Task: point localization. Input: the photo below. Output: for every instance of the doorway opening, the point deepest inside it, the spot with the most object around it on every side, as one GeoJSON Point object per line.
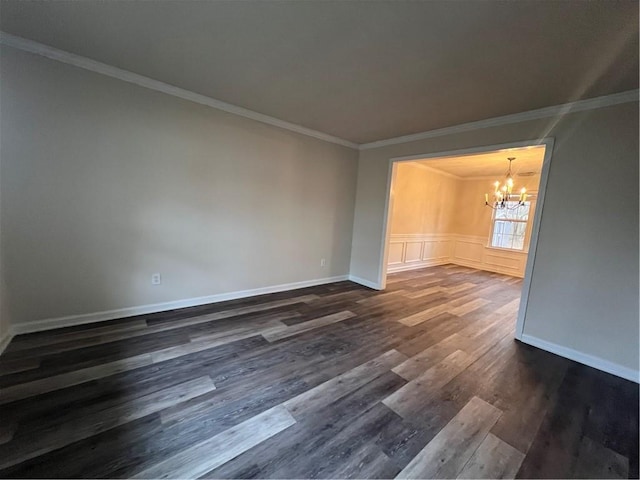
{"type": "Point", "coordinates": [464, 216]}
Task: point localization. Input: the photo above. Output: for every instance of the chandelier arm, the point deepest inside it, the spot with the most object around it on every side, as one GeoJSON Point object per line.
{"type": "Point", "coordinates": [500, 206]}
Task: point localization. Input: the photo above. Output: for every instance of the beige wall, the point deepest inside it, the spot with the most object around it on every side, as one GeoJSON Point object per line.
{"type": "Point", "coordinates": [472, 216]}
{"type": "Point", "coordinates": [105, 183]}
{"type": "Point", "coordinates": [584, 289]}
{"type": "Point", "coordinates": [419, 205]}
{"type": "Point", "coordinates": [417, 201]}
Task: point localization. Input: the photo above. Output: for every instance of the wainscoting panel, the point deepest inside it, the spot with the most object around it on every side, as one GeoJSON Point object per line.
{"type": "Point", "coordinates": [468, 250]}
{"type": "Point", "coordinates": [471, 251]}
{"type": "Point", "coordinates": [412, 251]}
{"type": "Point", "coordinates": [439, 249]}
{"type": "Point", "coordinates": [502, 261]}
{"type": "Point", "coordinates": [418, 251]}
{"type": "Point", "coordinates": [396, 253]}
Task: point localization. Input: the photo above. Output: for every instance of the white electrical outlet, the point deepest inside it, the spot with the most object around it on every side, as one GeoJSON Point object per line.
{"type": "Point", "coordinates": [156, 279]}
{"type": "Point", "coordinates": [323, 262]}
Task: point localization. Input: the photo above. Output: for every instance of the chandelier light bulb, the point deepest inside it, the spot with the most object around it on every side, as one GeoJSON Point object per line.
{"type": "Point", "coordinates": [502, 193]}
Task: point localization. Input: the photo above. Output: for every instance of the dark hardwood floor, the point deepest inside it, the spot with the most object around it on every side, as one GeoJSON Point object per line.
{"type": "Point", "coordinates": [423, 380]}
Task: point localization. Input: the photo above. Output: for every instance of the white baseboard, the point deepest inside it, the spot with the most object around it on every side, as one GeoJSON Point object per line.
{"type": "Point", "coordinates": [584, 358]}
{"type": "Point", "coordinates": [4, 341]}
{"type": "Point", "coordinates": [486, 268]}
{"type": "Point", "coordinates": [403, 267]}
{"type": "Point", "coordinates": [72, 320]}
{"type": "Point", "coordinates": [364, 282]}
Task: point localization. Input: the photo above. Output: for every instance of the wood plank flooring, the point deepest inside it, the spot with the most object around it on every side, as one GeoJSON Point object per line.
{"type": "Point", "coordinates": [423, 380]}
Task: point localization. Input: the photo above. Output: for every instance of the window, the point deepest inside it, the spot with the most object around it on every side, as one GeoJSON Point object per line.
{"type": "Point", "coordinates": [510, 226]}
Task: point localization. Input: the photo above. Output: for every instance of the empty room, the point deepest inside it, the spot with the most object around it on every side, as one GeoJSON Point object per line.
{"type": "Point", "coordinates": [319, 239]}
{"type": "Point", "coordinates": [441, 215]}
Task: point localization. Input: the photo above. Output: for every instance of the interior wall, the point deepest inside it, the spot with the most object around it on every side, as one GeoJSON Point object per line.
{"type": "Point", "coordinates": [5, 320]}
{"type": "Point", "coordinates": [105, 183]}
{"type": "Point", "coordinates": [417, 201]}
{"type": "Point", "coordinates": [583, 300]}
{"type": "Point", "coordinates": [473, 217]}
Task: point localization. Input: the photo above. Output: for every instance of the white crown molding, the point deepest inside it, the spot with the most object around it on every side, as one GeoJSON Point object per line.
{"type": "Point", "coordinates": [130, 77]}
{"type": "Point", "coordinates": [553, 111]}
{"type": "Point", "coordinates": [73, 320]}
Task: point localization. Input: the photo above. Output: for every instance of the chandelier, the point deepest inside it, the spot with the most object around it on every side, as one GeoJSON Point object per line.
{"type": "Point", "coordinates": [503, 193]}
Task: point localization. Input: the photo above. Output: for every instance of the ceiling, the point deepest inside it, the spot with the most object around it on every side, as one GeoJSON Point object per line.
{"type": "Point", "coordinates": [361, 71]}
{"type": "Point", "coordinates": [490, 164]}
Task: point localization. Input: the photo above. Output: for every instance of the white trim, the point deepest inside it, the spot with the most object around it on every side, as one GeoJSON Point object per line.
{"type": "Point", "coordinates": [72, 320]}
{"type": "Point", "coordinates": [584, 358]}
{"type": "Point", "coordinates": [553, 111]}
{"type": "Point", "coordinates": [501, 249]}
{"type": "Point", "coordinates": [364, 282]}
{"type": "Point", "coordinates": [416, 265]}
{"type": "Point", "coordinates": [386, 226]}
{"type": "Point", "coordinates": [527, 228]}
{"type": "Point", "coordinates": [130, 77]}
{"type": "Point", "coordinates": [5, 341]}
{"type": "Point", "coordinates": [533, 242]}
{"type": "Point", "coordinates": [127, 76]}
{"type": "Point", "coordinates": [502, 147]}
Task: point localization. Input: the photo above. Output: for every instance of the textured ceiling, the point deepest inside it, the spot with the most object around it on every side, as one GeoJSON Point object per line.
{"type": "Point", "coordinates": [362, 71]}
{"type": "Point", "coordinates": [490, 164]}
